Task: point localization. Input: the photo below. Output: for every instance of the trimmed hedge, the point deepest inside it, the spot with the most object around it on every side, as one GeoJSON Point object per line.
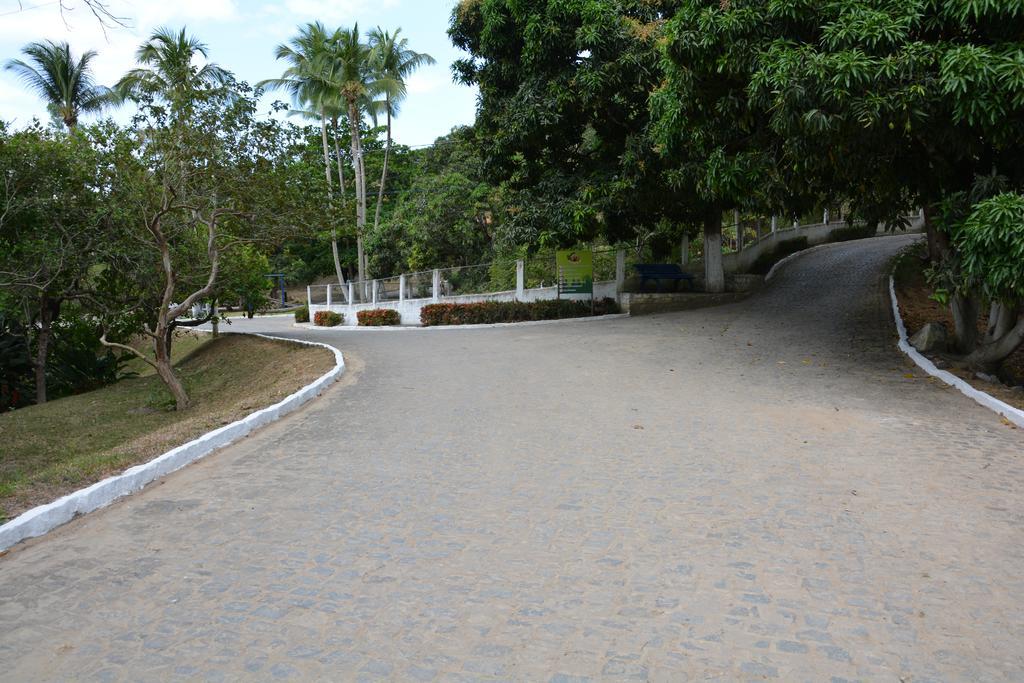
{"type": "Point", "coordinates": [378, 317]}
{"type": "Point", "coordinates": [302, 314]}
{"type": "Point", "coordinates": [486, 312]}
{"type": "Point", "coordinates": [328, 318]}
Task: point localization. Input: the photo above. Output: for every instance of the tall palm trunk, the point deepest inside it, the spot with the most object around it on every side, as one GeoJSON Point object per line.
{"type": "Point", "coordinates": [337, 156]}
{"type": "Point", "coordinates": [384, 172]}
{"type": "Point", "coordinates": [330, 192]}
{"type": "Point", "coordinates": [360, 181]}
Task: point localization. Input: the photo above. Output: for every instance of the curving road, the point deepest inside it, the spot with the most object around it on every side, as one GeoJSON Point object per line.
{"type": "Point", "coordinates": [758, 491]}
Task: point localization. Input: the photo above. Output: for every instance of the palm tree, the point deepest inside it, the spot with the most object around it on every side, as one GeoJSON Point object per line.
{"type": "Point", "coordinates": [168, 70]}
{"type": "Point", "coordinates": [307, 79]}
{"type": "Point", "coordinates": [354, 75]}
{"type": "Point", "coordinates": [66, 84]}
{"type": "Point", "coordinates": [394, 62]}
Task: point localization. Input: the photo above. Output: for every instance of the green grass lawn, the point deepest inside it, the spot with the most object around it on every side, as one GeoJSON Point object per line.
{"type": "Point", "coordinates": [63, 445]}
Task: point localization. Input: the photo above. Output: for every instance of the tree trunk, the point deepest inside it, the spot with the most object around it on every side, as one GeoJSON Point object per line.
{"type": "Point", "coordinates": [42, 346]}
{"type": "Point", "coordinates": [327, 152]}
{"type": "Point", "coordinates": [988, 356]}
{"type": "Point", "coordinates": [165, 370]}
{"type": "Point", "coordinates": [330, 191]}
{"type": "Point", "coordinates": [938, 243]}
{"type": "Point", "coordinates": [714, 275]}
{"type": "Point", "coordinates": [384, 173]}
{"type": "Point", "coordinates": [360, 181]}
{"type": "Point", "coordinates": [341, 166]}
{"type": "Point", "coordinates": [965, 322]}
{"type": "Point", "coordinates": [1001, 319]}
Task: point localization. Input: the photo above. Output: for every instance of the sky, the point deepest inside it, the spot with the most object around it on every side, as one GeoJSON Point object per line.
{"type": "Point", "coordinates": [241, 36]}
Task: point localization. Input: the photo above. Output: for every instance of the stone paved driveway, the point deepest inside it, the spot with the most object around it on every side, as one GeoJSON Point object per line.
{"type": "Point", "coordinates": [757, 491]}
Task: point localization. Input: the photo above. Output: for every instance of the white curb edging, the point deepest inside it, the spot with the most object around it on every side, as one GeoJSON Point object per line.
{"type": "Point", "coordinates": [39, 520]}
{"type": "Point", "coordinates": [991, 402]}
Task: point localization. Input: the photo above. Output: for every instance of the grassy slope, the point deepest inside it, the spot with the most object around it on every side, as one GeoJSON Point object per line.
{"type": "Point", "coordinates": [49, 450]}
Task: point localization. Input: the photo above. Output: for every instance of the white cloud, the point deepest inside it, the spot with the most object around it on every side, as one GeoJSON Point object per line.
{"type": "Point", "coordinates": [430, 79]}
{"type": "Point", "coordinates": [333, 11]}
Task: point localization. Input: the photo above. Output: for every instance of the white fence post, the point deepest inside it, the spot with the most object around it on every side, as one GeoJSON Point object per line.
{"type": "Point", "coordinates": [775, 223]}
{"type": "Point", "coordinates": [401, 288]}
{"type": "Point", "coordinates": [373, 292]}
{"type": "Point", "coordinates": [684, 250]}
{"type": "Point", "coordinates": [520, 279]}
{"type": "Point", "coordinates": [824, 218]}
{"type": "Point", "coordinates": [739, 229]}
{"type": "Point", "coordinates": [351, 292]}
{"type": "Point", "coordinates": [437, 284]}
{"type": "Point", "coordinates": [309, 298]}
{"type": "Point", "coordinates": [328, 297]}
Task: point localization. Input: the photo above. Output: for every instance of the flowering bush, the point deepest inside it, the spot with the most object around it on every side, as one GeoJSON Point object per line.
{"type": "Point", "coordinates": [379, 316]}
{"type": "Point", "coordinates": [302, 314]}
{"type": "Point", "coordinates": [512, 311]}
{"type": "Point", "coordinates": [328, 318]}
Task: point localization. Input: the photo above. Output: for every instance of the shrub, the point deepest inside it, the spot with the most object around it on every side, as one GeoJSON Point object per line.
{"type": "Point", "coordinates": [328, 318]}
{"type": "Point", "coordinates": [852, 232]}
{"type": "Point", "coordinates": [378, 317]}
{"type": "Point", "coordinates": [486, 312]}
{"type": "Point", "coordinates": [302, 314]}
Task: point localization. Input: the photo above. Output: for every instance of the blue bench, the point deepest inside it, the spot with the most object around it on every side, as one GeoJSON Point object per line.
{"type": "Point", "coordinates": [660, 272]}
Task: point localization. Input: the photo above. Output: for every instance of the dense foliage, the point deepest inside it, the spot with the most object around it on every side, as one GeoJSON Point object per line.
{"type": "Point", "coordinates": [563, 113]}
{"type": "Point", "coordinates": [602, 118]}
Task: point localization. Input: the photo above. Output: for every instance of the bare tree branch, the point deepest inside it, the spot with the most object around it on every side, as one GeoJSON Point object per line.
{"type": "Point", "coordinates": [125, 347]}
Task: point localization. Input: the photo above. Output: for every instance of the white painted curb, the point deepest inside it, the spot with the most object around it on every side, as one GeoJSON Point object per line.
{"type": "Point", "coordinates": [41, 519]}
{"type": "Point", "coordinates": [479, 326]}
{"type": "Point", "coordinates": [991, 402]}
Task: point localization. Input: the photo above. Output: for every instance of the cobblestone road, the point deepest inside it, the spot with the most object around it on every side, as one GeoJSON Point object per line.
{"type": "Point", "coordinates": [757, 491]}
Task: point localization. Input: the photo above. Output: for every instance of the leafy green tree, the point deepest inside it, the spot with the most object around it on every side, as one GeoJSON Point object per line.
{"type": "Point", "coordinates": [189, 195]}
{"type": "Point", "coordinates": [563, 115]}
{"type": "Point", "coordinates": [722, 151]}
{"type": "Point", "coordinates": [441, 220]}
{"type": "Point", "coordinates": [244, 279]}
{"type": "Point", "coordinates": [64, 82]}
{"type": "Point", "coordinates": [52, 225]}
